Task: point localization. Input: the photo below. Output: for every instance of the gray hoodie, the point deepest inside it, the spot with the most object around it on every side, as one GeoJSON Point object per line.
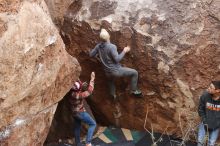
{"type": "Point", "coordinates": [108, 55]}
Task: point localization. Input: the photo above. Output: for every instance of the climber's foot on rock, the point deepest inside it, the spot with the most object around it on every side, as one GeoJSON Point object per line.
{"type": "Point", "coordinates": [137, 93]}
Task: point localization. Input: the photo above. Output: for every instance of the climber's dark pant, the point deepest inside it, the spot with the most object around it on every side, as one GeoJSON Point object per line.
{"type": "Point", "coordinates": [122, 72]}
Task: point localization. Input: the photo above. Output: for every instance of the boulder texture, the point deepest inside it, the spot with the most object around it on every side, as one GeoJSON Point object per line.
{"type": "Point", "coordinates": [174, 47]}
{"type": "Point", "coordinates": [57, 9]}
{"type": "Point", "coordinates": [36, 72]}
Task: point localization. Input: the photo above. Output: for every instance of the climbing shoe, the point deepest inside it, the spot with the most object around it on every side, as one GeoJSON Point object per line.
{"type": "Point", "coordinates": [136, 93]}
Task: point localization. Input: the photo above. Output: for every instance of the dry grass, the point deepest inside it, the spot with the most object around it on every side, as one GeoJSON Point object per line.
{"type": "Point", "coordinates": [188, 131]}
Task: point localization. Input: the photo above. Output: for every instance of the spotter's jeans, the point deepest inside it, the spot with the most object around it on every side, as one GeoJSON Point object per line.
{"type": "Point", "coordinates": [213, 135]}
{"type": "Point", "coordinates": [86, 118]}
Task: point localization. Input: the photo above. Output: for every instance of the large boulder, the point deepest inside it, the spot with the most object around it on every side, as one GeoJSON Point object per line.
{"type": "Point", "coordinates": [36, 72]}
{"type": "Point", "coordinates": [174, 47]}
{"type": "Point", "coordinates": [57, 9]}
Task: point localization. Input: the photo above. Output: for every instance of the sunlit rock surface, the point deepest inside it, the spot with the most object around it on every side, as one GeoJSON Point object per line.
{"type": "Point", "coordinates": [175, 48]}
{"type": "Point", "coordinates": [36, 72]}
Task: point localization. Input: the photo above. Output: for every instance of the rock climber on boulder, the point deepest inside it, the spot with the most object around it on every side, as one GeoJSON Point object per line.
{"type": "Point", "coordinates": [110, 59]}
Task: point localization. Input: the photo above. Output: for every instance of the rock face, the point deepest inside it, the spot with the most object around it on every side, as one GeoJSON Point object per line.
{"type": "Point", "coordinates": [57, 9]}
{"type": "Point", "coordinates": [36, 72]}
{"type": "Point", "coordinates": [175, 48]}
